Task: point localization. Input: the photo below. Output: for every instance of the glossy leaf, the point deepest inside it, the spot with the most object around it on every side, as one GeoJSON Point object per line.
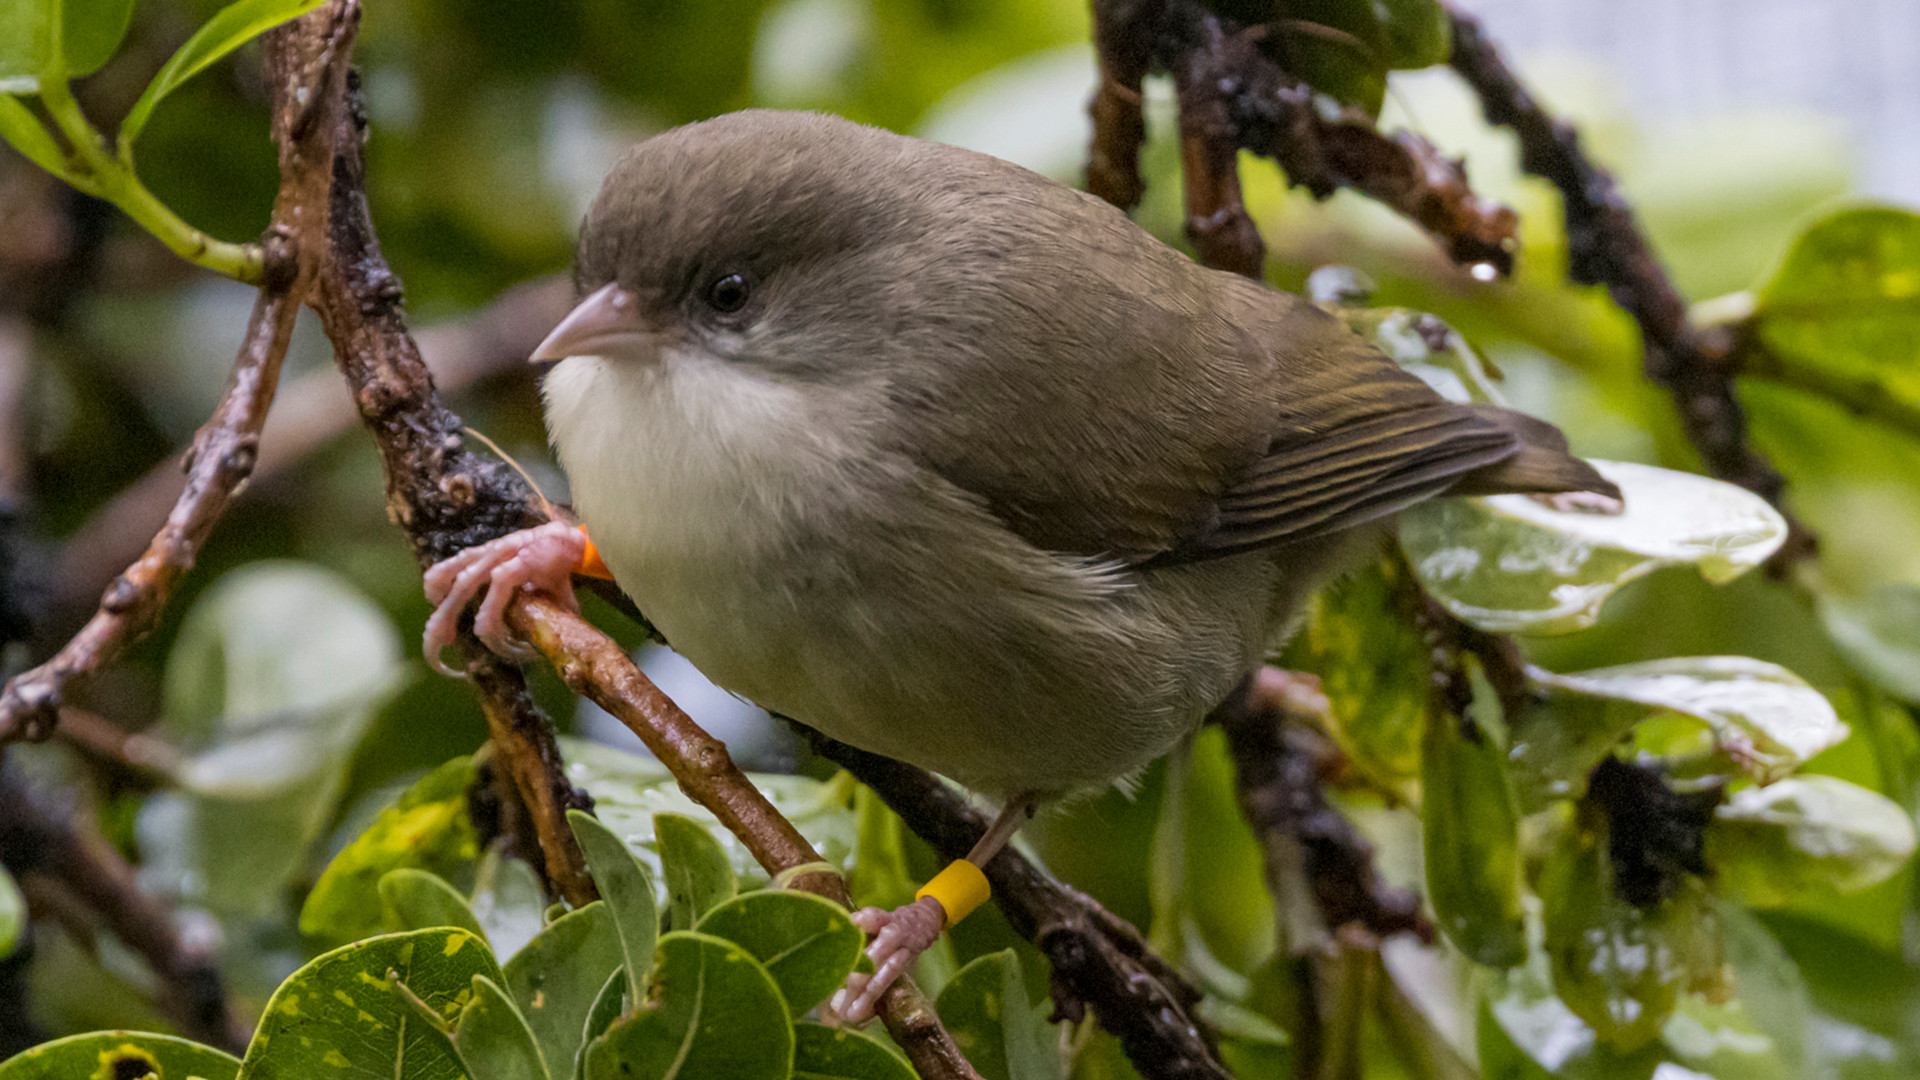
{"type": "Point", "coordinates": [1512, 564]}
{"type": "Point", "coordinates": [417, 900]}
{"type": "Point", "coordinates": [607, 1008]}
{"type": "Point", "coordinates": [557, 977]}
{"type": "Point", "coordinates": [1880, 636]}
{"type": "Point", "coordinates": [13, 914]}
{"type": "Point", "coordinates": [985, 1007]}
{"type": "Point", "coordinates": [277, 671]}
{"type": "Point", "coordinates": [627, 891]}
{"type": "Point", "coordinates": [1471, 841]}
{"type": "Point", "coordinates": [427, 828]}
{"type": "Point", "coordinates": [629, 789]}
{"type": "Point", "coordinates": [695, 866]}
{"type": "Point", "coordinates": [493, 1038]}
{"type": "Point", "coordinates": [339, 1011]}
{"type": "Point", "coordinates": [1770, 844]}
{"type": "Point", "coordinates": [1371, 662]}
{"type": "Point", "coordinates": [1841, 307]}
{"type": "Point", "coordinates": [824, 1053]}
{"type": "Point", "coordinates": [1775, 720]}
{"type": "Point", "coordinates": [713, 1014]}
{"type": "Point", "coordinates": [113, 1055]}
{"type": "Point", "coordinates": [807, 943]}
{"type": "Point", "coordinates": [1426, 346]}
{"type": "Point", "coordinates": [231, 27]}
{"type": "Point", "coordinates": [508, 903]}
{"type": "Point", "coordinates": [91, 33]}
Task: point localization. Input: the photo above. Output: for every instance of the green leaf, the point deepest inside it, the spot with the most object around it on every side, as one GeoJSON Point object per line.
{"type": "Point", "coordinates": [417, 899]}
{"type": "Point", "coordinates": [508, 903]}
{"type": "Point", "coordinates": [1764, 712]}
{"type": "Point", "coordinates": [13, 914]}
{"type": "Point", "coordinates": [824, 1053]}
{"type": "Point", "coordinates": [557, 977]}
{"type": "Point", "coordinates": [1880, 636]}
{"type": "Point", "coordinates": [985, 1007]}
{"type": "Point", "coordinates": [1842, 312]}
{"type": "Point", "coordinates": [714, 1014]}
{"type": "Point", "coordinates": [1425, 345]}
{"type": "Point", "coordinates": [1512, 564]}
{"type": "Point", "coordinates": [277, 671]}
{"type": "Point", "coordinates": [1472, 841]}
{"type": "Point", "coordinates": [696, 869]}
{"type": "Point", "coordinates": [231, 27]}
{"type": "Point", "coordinates": [91, 34]}
{"type": "Point", "coordinates": [24, 132]}
{"type": "Point", "coordinates": [607, 1008]}
{"type": "Point", "coordinates": [807, 943]}
{"type": "Point", "coordinates": [426, 828]}
{"type": "Point", "coordinates": [1372, 663]}
{"type": "Point", "coordinates": [1618, 967]}
{"type": "Point", "coordinates": [338, 1010]}
{"type": "Point", "coordinates": [629, 789]}
{"type": "Point", "coordinates": [1769, 844]}
{"type": "Point", "coordinates": [628, 893]}
{"type": "Point", "coordinates": [119, 1055]}
{"type": "Point", "coordinates": [493, 1039]}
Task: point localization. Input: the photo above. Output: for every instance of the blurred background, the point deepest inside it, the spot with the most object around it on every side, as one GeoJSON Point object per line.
{"type": "Point", "coordinates": [1728, 123]}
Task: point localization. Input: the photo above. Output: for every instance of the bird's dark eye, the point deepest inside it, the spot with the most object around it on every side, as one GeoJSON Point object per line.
{"type": "Point", "coordinates": [728, 293]}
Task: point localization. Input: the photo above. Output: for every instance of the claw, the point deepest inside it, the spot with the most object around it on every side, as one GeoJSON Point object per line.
{"type": "Point", "coordinates": [542, 558]}
{"type": "Point", "coordinates": [899, 937]}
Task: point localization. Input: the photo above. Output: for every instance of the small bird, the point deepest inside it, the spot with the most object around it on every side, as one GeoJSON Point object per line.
{"type": "Point", "coordinates": [957, 464]}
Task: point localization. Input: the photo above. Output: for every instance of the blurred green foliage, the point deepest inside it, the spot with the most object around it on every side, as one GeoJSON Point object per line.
{"type": "Point", "coordinates": [315, 805]}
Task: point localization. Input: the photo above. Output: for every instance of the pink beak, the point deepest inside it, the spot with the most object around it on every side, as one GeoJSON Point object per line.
{"type": "Point", "coordinates": [606, 322]}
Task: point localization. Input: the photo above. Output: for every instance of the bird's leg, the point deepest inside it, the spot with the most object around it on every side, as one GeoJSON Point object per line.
{"type": "Point", "coordinates": [901, 935]}
{"type": "Point", "coordinates": [544, 558]}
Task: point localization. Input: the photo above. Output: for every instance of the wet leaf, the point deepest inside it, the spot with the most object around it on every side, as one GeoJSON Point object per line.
{"type": "Point", "coordinates": [807, 943]}
{"type": "Point", "coordinates": [338, 1010]}
{"type": "Point", "coordinates": [558, 976]}
{"type": "Point", "coordinates": [1511, 564]}
{"type": "Point", "coordinates": [493, 1038]}
{"type": "Point", "coordinates": [231, 27]}
{"type": "Point", "coordinates": [426, 828]}
{"type": "Point", "coordinates": [985, 1007]}
{"type": "Point", "coordinates": [1880, 636]}
{"type": "Point", "coordinates": [1372, 664]}
{"type": "Point", "coordinates": [713, 1014]}
{"type": "Point", "coordinates": [824, 1053]}
{"type": "Point", "coordinates": [417, 900]}
{"type": "Point", "coordinates": [1471, 841]}
{"type": "Point", "coordinates": [1426, 346]}
{"type": "Point", "coordinates": [695, 866]}
{"type": "Point", "coordinates": [116, 1055]}
{"type": "Point", "coordinates": [1769, 844]}
{"type": "Point", "coordinates": [629, 789]}
{"type": "Point", "coordinates": [1765, 714]}
{"type": "Point", "coordinates": [627, 890]}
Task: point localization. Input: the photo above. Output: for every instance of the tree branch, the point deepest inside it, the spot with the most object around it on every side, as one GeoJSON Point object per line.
{"type": "Point", "coordinates": [226, 448]}
{"type": "Point", "coordinates": [1605, 246]}
{"type": "Point", "coordinates": [1097, 958]}
{"type": "Point", "coordinates": [40, 838]}
{"type": "Point", "coordinates": [1234, 96]}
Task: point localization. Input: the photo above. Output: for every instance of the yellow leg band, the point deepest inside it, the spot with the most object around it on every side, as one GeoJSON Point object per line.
{"type": "Point", "coordinates": [960, 888]}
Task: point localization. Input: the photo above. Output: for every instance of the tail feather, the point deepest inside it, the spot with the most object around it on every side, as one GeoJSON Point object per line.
{"type": "Point", "coordinates": [1541, 465]}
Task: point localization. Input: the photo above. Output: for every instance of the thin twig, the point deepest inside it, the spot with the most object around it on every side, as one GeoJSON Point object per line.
{"type": "Point", "coordinates": [1279, 764]}
{"type": "Point", "coordinates": [1606, 246]}
{"type": "Point", "coordinates": [1098, 960]}
{"type": "Point", "coordinates": [223, 453]}
{"type": "Point", "coordinates": [40, 837]}
{"type": "Point", "coordinates": [594, 666]}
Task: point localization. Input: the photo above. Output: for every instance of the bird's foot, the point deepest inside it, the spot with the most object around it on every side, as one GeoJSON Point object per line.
{"type": "Point", "coordinates": [542, 558]}
{"type": "Point", "coordinates": [899, 937]}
